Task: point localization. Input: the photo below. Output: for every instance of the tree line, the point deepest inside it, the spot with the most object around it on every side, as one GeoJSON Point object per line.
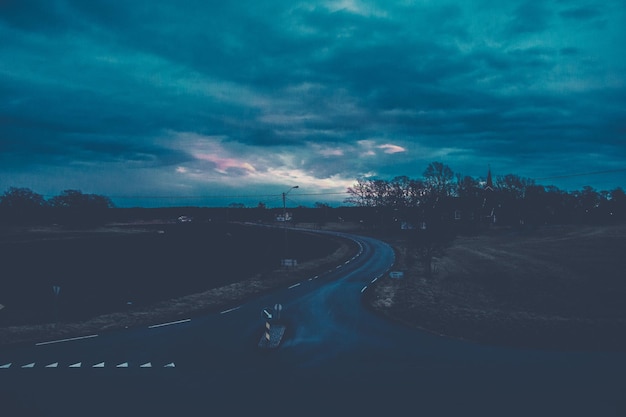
{"type": "Point", "coordinates": [22, 205]}
{"type": "Point", "coordinates": [507, 199]}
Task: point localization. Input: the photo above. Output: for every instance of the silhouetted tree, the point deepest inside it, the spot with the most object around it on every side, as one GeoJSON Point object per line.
{"type": "Point", "coordinates": [73, 207]}
{"type": "Point", "coordinates": [617, 205]}
{"type": "Point", "coordinates": [468, 187]}
{"type": "Point", "coordinates": [360, 194]}
{"type": "Point", "coordinates": [513, 200]}
{"type": "Point", "coordinates": [587, 202]}
{"type": "Point", "coordinates": [438, 178]}
{"type": "Point", "coordinates": [22, 205]}
{"type": "Point", "coordinates": [429, 241]}
{"type": "Point", "coordinates": [21, 199]}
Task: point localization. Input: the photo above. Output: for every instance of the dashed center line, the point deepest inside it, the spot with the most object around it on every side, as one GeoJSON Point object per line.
{"type": "Point", "coordinates": [229, 310]}
{"type": "Point", "coordinates": [66, 340]}
{"type": "Point", "coordinates": [294, 285]}
{"type": "Point", "coordinates": [169, 324]}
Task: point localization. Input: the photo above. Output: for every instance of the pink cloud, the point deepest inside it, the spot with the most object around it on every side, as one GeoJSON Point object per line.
{"type": "Point", "coordinates": [224, 164]}
{"type": "Point", "coordinates": [389, 148]}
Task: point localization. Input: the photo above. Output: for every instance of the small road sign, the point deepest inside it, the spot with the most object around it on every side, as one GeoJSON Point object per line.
{"type": "Point", "coordinates": [289, 262]}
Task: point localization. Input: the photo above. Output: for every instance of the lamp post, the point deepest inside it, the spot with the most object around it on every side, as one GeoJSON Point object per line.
{"type": "Point", "coordinates": [284, 202]}
{"type": "Point", "coordinates": [285, 215]}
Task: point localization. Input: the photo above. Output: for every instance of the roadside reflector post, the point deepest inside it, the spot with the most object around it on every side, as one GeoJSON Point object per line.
{"type": "Point", "coordinates": [56, 289]}
{"type": "Point", "coordinates": [273, 332]}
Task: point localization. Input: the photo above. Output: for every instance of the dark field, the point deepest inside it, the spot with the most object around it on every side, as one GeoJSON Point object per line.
{"type": "Point", "coordinates": [123, 268]}
{"type": "Point", "coordinates": [553, 287]}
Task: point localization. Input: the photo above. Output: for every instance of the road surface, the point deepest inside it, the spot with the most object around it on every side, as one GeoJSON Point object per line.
{"type": "Point", "coordinates": [337, 358]}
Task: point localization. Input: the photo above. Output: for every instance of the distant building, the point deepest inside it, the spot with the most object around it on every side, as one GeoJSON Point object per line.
{"type": "Point", "coordinates": [284, 217]}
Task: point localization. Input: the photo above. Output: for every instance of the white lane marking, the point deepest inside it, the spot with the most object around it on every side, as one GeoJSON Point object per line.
{"type": "Point", "coordinates": [169, 324]}
{"type": "Point", "coordinates": [80, 365]}
{"type": "Point", "coordinates": [229, 310]}
{"type": "Point", "coordinates": [294, 285]}
{"type": "Point", "coordinates": [66, 340]}
{"type": "Point", "coordinates": [374, 280]}
{"type": "Point", "coordinates": [338, 266]}
{"type": "Point", "coordinates": [364, 288]}
{"type": "Point", "coordinates": [346, 262]}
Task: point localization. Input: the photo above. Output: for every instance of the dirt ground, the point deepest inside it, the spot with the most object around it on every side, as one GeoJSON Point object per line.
{"type": "Point", "coordinates": [560, 287]}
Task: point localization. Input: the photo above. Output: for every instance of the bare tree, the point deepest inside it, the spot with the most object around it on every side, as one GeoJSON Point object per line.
{"type": "Point", "coordinates": [439, 179]}
{"type": "Point", "coordinates": [360, 194]}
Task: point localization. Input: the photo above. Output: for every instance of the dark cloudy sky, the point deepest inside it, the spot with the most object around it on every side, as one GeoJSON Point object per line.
{"type": "Point", "coordinates": [207, 99]}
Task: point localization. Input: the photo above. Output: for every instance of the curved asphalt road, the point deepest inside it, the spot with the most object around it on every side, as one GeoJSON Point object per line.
{"type": "Point", "coordinates": [337, 358]}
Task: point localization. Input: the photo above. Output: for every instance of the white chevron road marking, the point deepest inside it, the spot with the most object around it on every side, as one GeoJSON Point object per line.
{"type": "Point", "coordinates": [80, 365]}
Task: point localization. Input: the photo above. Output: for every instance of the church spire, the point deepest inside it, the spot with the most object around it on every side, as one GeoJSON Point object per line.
{"type": "Point", "coordinates": [489, 184]}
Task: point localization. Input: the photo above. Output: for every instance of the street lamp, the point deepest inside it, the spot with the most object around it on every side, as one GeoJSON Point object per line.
{"type": "Point", "coordinates": [284, 202]}
{"type": "Point", "coordinates": [285, 218]}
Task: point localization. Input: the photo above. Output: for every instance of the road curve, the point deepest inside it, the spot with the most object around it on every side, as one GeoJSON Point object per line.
{"type": "Point", "coordinates": [336, 356]}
